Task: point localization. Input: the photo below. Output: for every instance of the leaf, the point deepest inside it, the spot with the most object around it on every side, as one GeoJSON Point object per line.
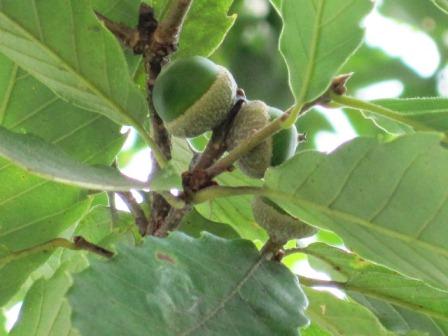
{"type": "Point", "coordinates": [50, 162]}
{"type": "Point", "coordinates": [429, 114]}
{"type": "Point", "coordinates": [185, 286]}
{"type": "Point", "coordinates": [3, 331]}
{"type": "Point", "coordinates": [14, 274]}
{"type": "Point", "coordinates": [388, 201]}
{"type": "Point", "coordinates": [33, 210]}
{"type": "Point", "coordinates": [235, 211]}
{"type": "Point", "coordinates": [380, 283]}
{"type": "Point", "coordinates": [194, 225]}
{"type": "Point", "coordinates": [342, 317]}
{"type": "Point", "coordinates": [442, 4]}
{"type": "Point", "coordinates": [65, 47]}
{"type": "Point", "coordinates": [45, 310]}
{"type": "Point", "coordinates": [317, 39]}
{"type": "Point", "coordinates": [401, 320]}
{"type": "Point", "coordinates": [205, 26]}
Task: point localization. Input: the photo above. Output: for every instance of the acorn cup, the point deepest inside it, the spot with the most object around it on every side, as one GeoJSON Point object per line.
{"type": "Point", "coordinates": [252, 117]}
{"type": "Point", "coordinates": [193, 95]}
{"type": "Point", "coordinates": [280, 226]}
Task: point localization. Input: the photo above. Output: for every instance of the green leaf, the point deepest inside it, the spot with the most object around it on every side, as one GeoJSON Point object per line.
{"type": "Point", "coordinates": [45, 310]}
{"type": "Point", "coordinates": [185, 286]}
{"type": "Point", "coordinates": [429, 114]}
{"type": "Point", "coordinates": [194, 224]}
{"type": "Point", "coordinates": [317, 39]}
{"type": "Point", "coordinates": [65, 47]}
{"type": "Point", "coordinates": [2, 324]}
{"type": "Point", "coordinates": [442, 4]}
{"type": "Point", "coordinates": [380, 283]}
{"type": "Point", "coordinates": [33, 210]}
{"type": "Point", "coordinates": [205, 28]}
{"type": "Point", "coordinates": [314, 330]}
{"type": "Point", "coordinates": [401, 320]}
{"type": "Point", "coordinates": [235, 211]}
{"type": "Point", "coordinates": [388, 201]}
{"type": "Point", "coordinates": [46, 160]}
{"type": "Point", "coordinates": [342, 317]}
{"type": "Point", "coordinates": [14, 274]}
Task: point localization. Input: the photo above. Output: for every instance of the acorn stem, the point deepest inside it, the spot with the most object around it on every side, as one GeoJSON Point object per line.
{"type": "Point", "coordinates": [247, 145]}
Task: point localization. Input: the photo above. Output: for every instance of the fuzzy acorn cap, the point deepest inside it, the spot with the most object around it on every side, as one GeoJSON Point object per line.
{"type": "Point", "coordinates": [253, 116]}
{"type": "Point", "coordinates": [193, 95]}
{"type": "Point", "coordinates": [280, 226]}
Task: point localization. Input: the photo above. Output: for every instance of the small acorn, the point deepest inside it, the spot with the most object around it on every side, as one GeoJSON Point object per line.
{"type": "Point", "coordinates": [253, 116]}
{"type": "Point", "coordinates": [280, 226]}
{"type": "Point", "coordinates": [193, 95]}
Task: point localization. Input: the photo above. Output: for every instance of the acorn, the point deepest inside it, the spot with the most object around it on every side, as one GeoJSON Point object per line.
{"type": "Point", "coordinates": [193, 95]}
{"type": "Point", "coordinates": [253, 116]}
{"type": "Point", "coordinates": [280, 226]}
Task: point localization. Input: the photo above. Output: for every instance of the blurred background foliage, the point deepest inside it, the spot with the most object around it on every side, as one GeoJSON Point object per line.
{"type": "Point", "coordinates": [405, 55]}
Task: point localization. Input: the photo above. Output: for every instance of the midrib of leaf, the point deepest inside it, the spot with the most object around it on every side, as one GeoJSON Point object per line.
{"type": "Point", "coordinates": [222, 303]}
{"type": "Point", "coordinates": [7, 98]}
{"type": "Point", "coordinates": [395, 301]}
{"type": "Point", "coordinates": [48, 181]}
{"type": "Point", "coordinates": [374, 294]}
{"type": "Point", "coordinates": [312, 54]}
{"type": "Point", "coordinates": [344, 216]}
{"type": "Point", "coordinates": [98, 92]}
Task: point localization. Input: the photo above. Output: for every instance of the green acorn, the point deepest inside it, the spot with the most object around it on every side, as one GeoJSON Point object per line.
{"type": "Point", "coordinates": [253, 116]}
{"type": "Point", "coordinates": [193, 95]}
{"type": "Point", "coordinates": [280, 226]}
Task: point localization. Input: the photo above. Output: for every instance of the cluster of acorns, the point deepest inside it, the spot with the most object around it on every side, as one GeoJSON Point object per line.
{"type": "Point", "coordinates": [195, 95]}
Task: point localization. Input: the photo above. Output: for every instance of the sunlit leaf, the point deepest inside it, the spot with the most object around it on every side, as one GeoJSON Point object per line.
{"type": "Point", "coordinates": [342, 317]}
{"type": "Point", "coordinates": [364, 192]}
{"type": "Point", "coordinates": [65, 47]}
{"type": "Point", "coordinates": [317, 39]}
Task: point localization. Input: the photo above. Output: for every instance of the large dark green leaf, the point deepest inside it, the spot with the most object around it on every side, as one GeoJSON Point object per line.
{"type": "Point", "coordinates": [388, 201]}
{"type": "Point", "coordinates": [317, 39]}
{"type": "Point", "coordinates": [185, 286]}
{"type": "Point", "coordinates": [64, 46]}
{"type": "Point", "coordinates": [379, 283]}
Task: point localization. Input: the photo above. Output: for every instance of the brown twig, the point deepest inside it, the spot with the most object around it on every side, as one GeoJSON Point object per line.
{"type": "Point", "coordinates": [217, 144]}
{"type": "Point", "coordinates": [162, 43]}
{"type": "Point", "coordinates": [83, 244]}
{"type": "Point", "coordinates": [136, 211]}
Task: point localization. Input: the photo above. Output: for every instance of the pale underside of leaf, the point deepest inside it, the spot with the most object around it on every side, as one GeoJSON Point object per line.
{"type": "Point", "coordinates": [388, 201]}
{"type": "Point", "coordinates": [317, 39]}
{"type": "Point", "coordinates": [50, 162]}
